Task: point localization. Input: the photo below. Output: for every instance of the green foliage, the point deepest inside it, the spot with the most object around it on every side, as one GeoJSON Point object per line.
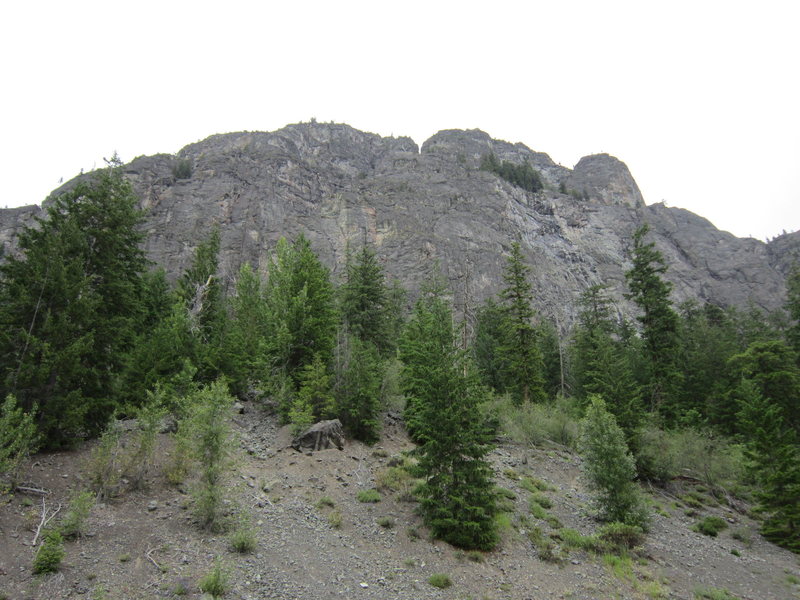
{"type": "Point", "coordinates": [659, 323]}
{"type": "Point", "coordinates": [139, 459]}
{"type": "Point", "coordinates": [793, 307]}
{"type": "Point", "coordinates": [70, 305]}
{"type": "Point", "coordinates": [365, 301]}
{"type": "Point", "coordinates": [215, 582]}
{"type": "Point", "coordinates": [335, 519]}
{"type": "Point", "coordinates": [245, 342]}
{"type": "Point", "coordinates": [18, 438]}
{"type": "Point", "coordinates": [710, 593]}
{"type": "Point", "coordinates": [574, 540]}
{"type": "Point", "coordinates": [358, 388]}
{"type": "Point", "coordinates": [444, 415]}
{"type": "Point", "coordinates": [621, 537]}
{"type": "Point", "coordinates": [104, 465]}
{"type": "Point", "coordinates": [386, 522]}
{"type": "Point", "coordinates": [710, 526]}
{"type": "Point", "coordinates": [315, 389]}
{"type": "Point", "coordinates": [523, 175]}
{"type": "Point", "coordinates": [80, 506]}
{"type": "Point", "coordinates": [774, 461]}
{"type": "Point", "coordinates": [50, 554]}
{"type": "Point", "coordinates": [521, 352]}
{"type": "Point", "coordinates": [490, 335]}
{"type": "Point", "coordinates": [243, 540]}
{"type": "Point", "coordinates": [300, 304]}
{"type": "Point", "coordinates": [609, 467]}
{"type": "Point", "coordinates": [538, 424]}
{"type": "Point", "coordinates": [440, 580]}
{"type": "Point", "coordinates": [209, 431]}
{"type": "Point", "coordinates": [370, 496]}
{"type": "Point", "coordinates": [202, 294]}
{"type": "Point", "coordinates": [182, 169]}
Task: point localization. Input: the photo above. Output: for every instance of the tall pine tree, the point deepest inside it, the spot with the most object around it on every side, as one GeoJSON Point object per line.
{"type": "Point", "coordinates": [444, 396]}
{"type": "Point", "coordinates": [70, 306]}
{"type": "Point", "coordinates": [522, 355]}
{"type": "Point", "coordinates": [659, 323]}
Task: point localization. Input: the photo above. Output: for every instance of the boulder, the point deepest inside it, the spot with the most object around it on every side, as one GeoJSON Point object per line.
{"type": "Point", "coordinates": [320, 436]}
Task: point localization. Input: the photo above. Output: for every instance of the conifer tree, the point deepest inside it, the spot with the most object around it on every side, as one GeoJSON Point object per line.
{"type": "Point", "coordinates": [301, 310]}
{"type": "Point", "coordinates": [358, 389]}
{"type": "Point", "coordinates": [490, 333]}
{"type": "Point", "coordinates": [365, 301]}
{"type": "Point", "coordinates": [793, 307]}
{"type": "Point", "coordinates": [444, 396]}
{"type": "Point", "coordinates": [70, 305]}
{"type": "Point", "coordinates": [659, 322]}
{"type": "Point", "coordinates": [245, 342]}
{"type": "Point", "coordinates": [522, 354]}
{"type": "Point", "coordinates": [609, 467]}
{"type": "Point", "coordinates": [202, 293]}
{"type": "Point", "coordinates": [774, 454]}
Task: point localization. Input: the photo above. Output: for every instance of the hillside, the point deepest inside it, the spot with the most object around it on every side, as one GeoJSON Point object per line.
{"type": "Point", "coordinates": [144, 544]}
{"type": "Point", "coordinates": [418, 207]}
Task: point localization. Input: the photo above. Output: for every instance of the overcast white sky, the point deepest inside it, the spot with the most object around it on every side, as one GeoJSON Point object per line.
{"type": "Point", "coordinates": [701, 99]}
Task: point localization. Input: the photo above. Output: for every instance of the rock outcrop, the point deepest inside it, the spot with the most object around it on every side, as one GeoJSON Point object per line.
{"type": "Point", "coordinates": [342, 187]}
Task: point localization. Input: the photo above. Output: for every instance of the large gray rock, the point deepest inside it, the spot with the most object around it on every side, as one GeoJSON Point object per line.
{"type": "Point", "coordinates": [320, 436]}
{"type": "Point", "coordinates": [341, 187]}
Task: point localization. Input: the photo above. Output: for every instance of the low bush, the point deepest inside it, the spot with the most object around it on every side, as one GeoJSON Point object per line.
{"type": "Point", "coordinates": [575, 540]}
{"type": "Point", "coordinates": [709, 593]}
{"type": "Point", "coordinates": [541, 500]}
{"type": "Point", "coordinates": [386, 522]}
{"type": "Point", "coordinates": [243, 540]}
{"type": "Point", "coordinates": [74, 519]}
{"type": "Point", "coordinates": [214, 583]}
{"type": "Point", "coordinates": [335, 519]}
{"type": "Point", "coordinates": [621, 536]}
{"type": "Point", "coordinates": [368, 496]}
{"type": "Point", "coordinates": [710, 526]}
{"type": "Point", "coordinates": [538, 424]}
{"type": "Point", "coordinates": [440, 580]}
{"type": "Point", "coordinates": [50, 554]}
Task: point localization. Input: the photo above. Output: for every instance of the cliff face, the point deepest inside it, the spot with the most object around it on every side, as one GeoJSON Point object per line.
{"type": "Point", "coordinates": [341, 187]}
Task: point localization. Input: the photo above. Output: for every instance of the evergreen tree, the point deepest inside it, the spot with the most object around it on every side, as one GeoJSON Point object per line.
{"type": "Point", "coordinates": [201, 291]}
{"type": "Point", "coordinates": [358, 389]}
{"type": "Point", "coordinates": [70, 305]}
{"type": "Point", "coordinates": [246, 340]}
{"type": "Point", "coordinates": [490, 333]}
{"type": "Point", "coordinates": [522, 354]}
{"type": "Point", "coordinates": [365, 301]}
{"type": "Point", "coordinates": [772, 367]}
{"type": "Point", "coordinates": [301, 311]}
{"type": "Point", "coordinates": [774, 454]}
{"type": "Point", "coordinates": [456, 497]}
{"type": "Point", "coordinates": [315, 390]}
{"type": "Point", "coordinates": [659, 322]}
{"type": "Point", "coordinates": [609, 467]}
{"type": "Point", "coordinates": [793, 307]}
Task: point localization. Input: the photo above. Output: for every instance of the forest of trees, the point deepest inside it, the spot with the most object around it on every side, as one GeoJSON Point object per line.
{"type": "Point", "coordinates": [90, 331]}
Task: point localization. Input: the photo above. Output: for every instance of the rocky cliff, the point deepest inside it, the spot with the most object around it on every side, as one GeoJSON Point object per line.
{"type": "Point", "coordinates": [341, 187]}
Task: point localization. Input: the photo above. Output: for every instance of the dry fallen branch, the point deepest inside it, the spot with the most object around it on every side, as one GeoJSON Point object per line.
{"type": "Point", "coordinates": [45, 520]}
{"type": "Point", "coordinates": [29, 490]}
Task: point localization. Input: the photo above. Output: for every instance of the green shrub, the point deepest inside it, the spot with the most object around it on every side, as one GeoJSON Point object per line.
{"type": "Point", "coordinates": [621, 536]}
{"type": "Point", "coordinates": [575, 540]}
{"type": "Point", "coordinates": [214, 583]}
{"type": "Point", "coordinates": [533, 485]}
{"type": "Point", "coordinates": [50, 554]}
{"type": "Point", "coordinates": [545, 548]}
{"type": "Point", "coordinates": [335, 519]}
{"type": "Point", "coordinates": [440, 580]}
{"type": "Point", "coordinates": [710, 526]}
{"type": "Point", "coordinates": [209, 429]}
{"type": "Point", "coordinates": [537, 510]}
{"type": "Point", "coordinates": [73, 521]}
{"type": "Point", "coordinates": [368, 496]}
{"type": "Point", "coordinates": [505, 493]}
{"type": "Point", "coordinates": [325, 501]}
{"type": "Point", "coordinates": [709, 593]}
{"type": "Point", "coordinates": [18, 438]}
{"type": "Point", "coordinates": [139, 460]}
{"type": "Point", "coordinates": [243, 540]}
{"type": "Point", "coordinates": [395, 479]}
{"type": "Point", "coordinates": [103, 467]}
{"type": "Point", "coordinates": [537, 424]}
{"type": "Point", "coordinates": [182, 169]}
{"type": "Point", "coordinates": [386, 522]}
{"type": "Point", "coordinates": [542, 500]}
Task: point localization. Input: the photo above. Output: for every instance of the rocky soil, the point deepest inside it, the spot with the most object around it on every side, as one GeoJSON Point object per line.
{"type": "Point", "coordinates": [144, 544]}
